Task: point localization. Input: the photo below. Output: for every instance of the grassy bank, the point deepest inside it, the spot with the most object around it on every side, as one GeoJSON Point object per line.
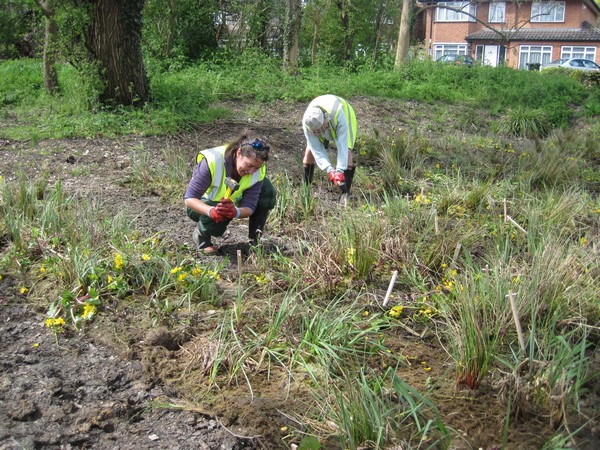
{"type": "Point", "coordinates": [184, 98]}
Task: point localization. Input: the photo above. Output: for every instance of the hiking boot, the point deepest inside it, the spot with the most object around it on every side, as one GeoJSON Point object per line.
{"type": "Point", "coordinates": [255, 241]}
{"type": "Point", "coordinates": [256, 225]}
{"type": "Point", "coordinates": [203, 242]}
{"type": "Point", "coordinates": [308, 175]}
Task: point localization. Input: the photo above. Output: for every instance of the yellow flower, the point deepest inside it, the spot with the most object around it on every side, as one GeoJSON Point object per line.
{"type": "Point", "coordinates": [350, 253]}
{"type": "Point", "coordinates": [396, 311]}
{"type": "Point", "coordinates": [214, 275]}
{"type": "Point", "coordinates": [146, 257]}
{"type": "Point", "coordinates": [197, 271]}
{"type": "Point", "coordinates": [427, 369]}
{"type": "Point", "coordinates": [42, 269]}
{"type": "Point", "coordinates": [422, 198]}
{"type": "Point", "coordinates": [181, 277]}
{"type": "Point", "coordinates": [36, 344]}
{"type": "Point", "coordinates": [23, 290]}
{"type": "Point", "coordinates": [88, 311]}
{"type": "Point", "coordinates": [365, 313]}
{"type": "Point", "coordinates": [109, 279]}
{"type": "Point", "coordinates": [118, 261]}
{"type": "Point", "coordinates": [261, 279]}
{"type": "Point", "coordinates": [583, 241]}
{"type": "Point", "coordinates": [174, 270]}
{"type": "Point", "coordinates": [51, 322]}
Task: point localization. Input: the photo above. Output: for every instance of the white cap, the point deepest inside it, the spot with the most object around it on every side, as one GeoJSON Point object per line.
{"type": "Point", "coordinates": [314, 118]}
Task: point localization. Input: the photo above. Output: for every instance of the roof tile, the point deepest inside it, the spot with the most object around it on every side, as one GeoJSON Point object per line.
{"type": "Point", "coordinates": [587, 33]}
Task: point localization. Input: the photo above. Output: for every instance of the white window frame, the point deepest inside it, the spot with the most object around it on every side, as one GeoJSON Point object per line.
{"type": "Point", "coordinates": [578, 51]}
{"type": "Point", "coordinates": [450, 15]}
{"type": "Point", "coordinates": [534, 54]}
{"type": "Point", "coordinates": [548, 11]}
{"type": "Point", "coordinates": [449, 49]}
{"type": "Point", "coordinates": [497, 13]}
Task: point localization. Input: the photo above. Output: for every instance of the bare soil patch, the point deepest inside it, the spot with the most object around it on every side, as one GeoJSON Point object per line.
{"type": "Point", "coordinates": [122, 384]}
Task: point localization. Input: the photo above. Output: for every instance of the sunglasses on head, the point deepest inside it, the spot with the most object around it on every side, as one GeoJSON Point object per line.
{"type": "Point", "coordinates": [257, 144]}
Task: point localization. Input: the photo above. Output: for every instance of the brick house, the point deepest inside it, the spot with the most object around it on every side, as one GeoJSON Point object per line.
{"type": "Point", "coordinates": [518, 34]}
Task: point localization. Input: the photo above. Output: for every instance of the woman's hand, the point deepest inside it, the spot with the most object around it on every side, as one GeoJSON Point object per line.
{"type": "Point", "coordinates": [227, 209]}
{"type": "Point", "coordinates": [216, 215]}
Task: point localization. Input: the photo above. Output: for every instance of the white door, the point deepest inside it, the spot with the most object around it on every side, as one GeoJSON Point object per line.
{"type": "Point", "coordinates": [490, 55]}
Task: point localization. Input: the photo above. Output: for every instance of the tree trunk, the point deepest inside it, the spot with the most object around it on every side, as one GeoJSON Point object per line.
{"type": "Point", "coordinates": [50, 47]}
{"type": "Point", "coordinates": [173, 10]}
{"type": "Point", "coordinates": [291, 36]}
{"type": "Point", "coordinates": [404, 33]}
{"type": "Point", "coordinates": [345, 22]}
{"type": "Point", "coordinates": [315, 38]}
{"type": "Point", "coordinates": [378, 22]}
{"type": "Point", "coordinates": [115, 43]}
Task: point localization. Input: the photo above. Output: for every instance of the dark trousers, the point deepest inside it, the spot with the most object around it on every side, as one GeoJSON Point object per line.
{"type": "Point", "coordinates": [208, 227]}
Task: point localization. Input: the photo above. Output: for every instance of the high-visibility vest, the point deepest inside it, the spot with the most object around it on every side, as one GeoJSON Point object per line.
{"type": "Point", "coordinates": [215, 158]}
{"type": "Point", "coordinates": [334, 106]}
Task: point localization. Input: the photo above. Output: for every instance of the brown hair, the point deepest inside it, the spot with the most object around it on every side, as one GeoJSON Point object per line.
{"type": "Point", "coordinates": [250, 144]}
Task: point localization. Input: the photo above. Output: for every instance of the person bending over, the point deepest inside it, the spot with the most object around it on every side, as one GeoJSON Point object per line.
{"type": "Point", "coordinates": [329, 118]}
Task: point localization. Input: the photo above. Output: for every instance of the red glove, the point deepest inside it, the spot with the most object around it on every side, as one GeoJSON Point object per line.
{"type": "Point", "coordinates": [227, 209]}
{"type": "Point", "coordinates": [216, 215]}
{"type": "Point", "coordinates": [337, 178]}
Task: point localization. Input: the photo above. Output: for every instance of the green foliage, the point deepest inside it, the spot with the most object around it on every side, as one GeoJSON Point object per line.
{"type": "Point", "coordinates": [531, 104]}
{"type": "Point", "coordinates": [382, 411]}
{"type": "Point", "coordinates": [21, 81]}
{"type": "Point", "coordinates": [93, 257]}
{"type": "Point", "coordinates": [476, 313]}
{"type": "Point", "coordinates": [175, 33]}
{"type": "Point", "coordinates": [16, 19]}
{"type": "Point", "coordinates": [524, 122]}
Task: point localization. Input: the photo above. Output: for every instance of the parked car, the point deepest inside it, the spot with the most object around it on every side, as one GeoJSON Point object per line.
{"type": "Point", "coordinates": [573, 63]}
{"type": "Point", "coordinates": [457, 60]}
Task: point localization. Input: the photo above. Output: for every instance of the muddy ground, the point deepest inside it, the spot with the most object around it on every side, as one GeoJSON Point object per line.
{"type": "Point", "coordinates": [103, 387]}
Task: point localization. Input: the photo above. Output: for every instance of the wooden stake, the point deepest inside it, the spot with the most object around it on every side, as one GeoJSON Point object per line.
{"type": "Point", "coordinates": [390, 287]}
{"type": "Point", "coordinates": [239, 262]}
{"type": "Point", "coordinates": [505, 211]}
{"type": "Point", "coordinates": [516, 224]}
{"type": "Point", "coordinates": [455, 257]}
{"type": "Point", "coordinates": [513, 306]}
{"type": "Point", "coordinates": [487, 274]}
{"type": "Point", "coordinates": [435, 222]}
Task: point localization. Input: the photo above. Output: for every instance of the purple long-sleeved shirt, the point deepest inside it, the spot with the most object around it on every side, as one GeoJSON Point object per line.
{"type": "Point", "coordinates": [202, 178]}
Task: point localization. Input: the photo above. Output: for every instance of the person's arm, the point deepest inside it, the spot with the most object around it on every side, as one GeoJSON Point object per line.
{"type": "Point", "coordinates": [197, 186]}
{"type": "Point", "coordinates": [341, 141]}
{"type": "Point", "coordinates": [318, 149]}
